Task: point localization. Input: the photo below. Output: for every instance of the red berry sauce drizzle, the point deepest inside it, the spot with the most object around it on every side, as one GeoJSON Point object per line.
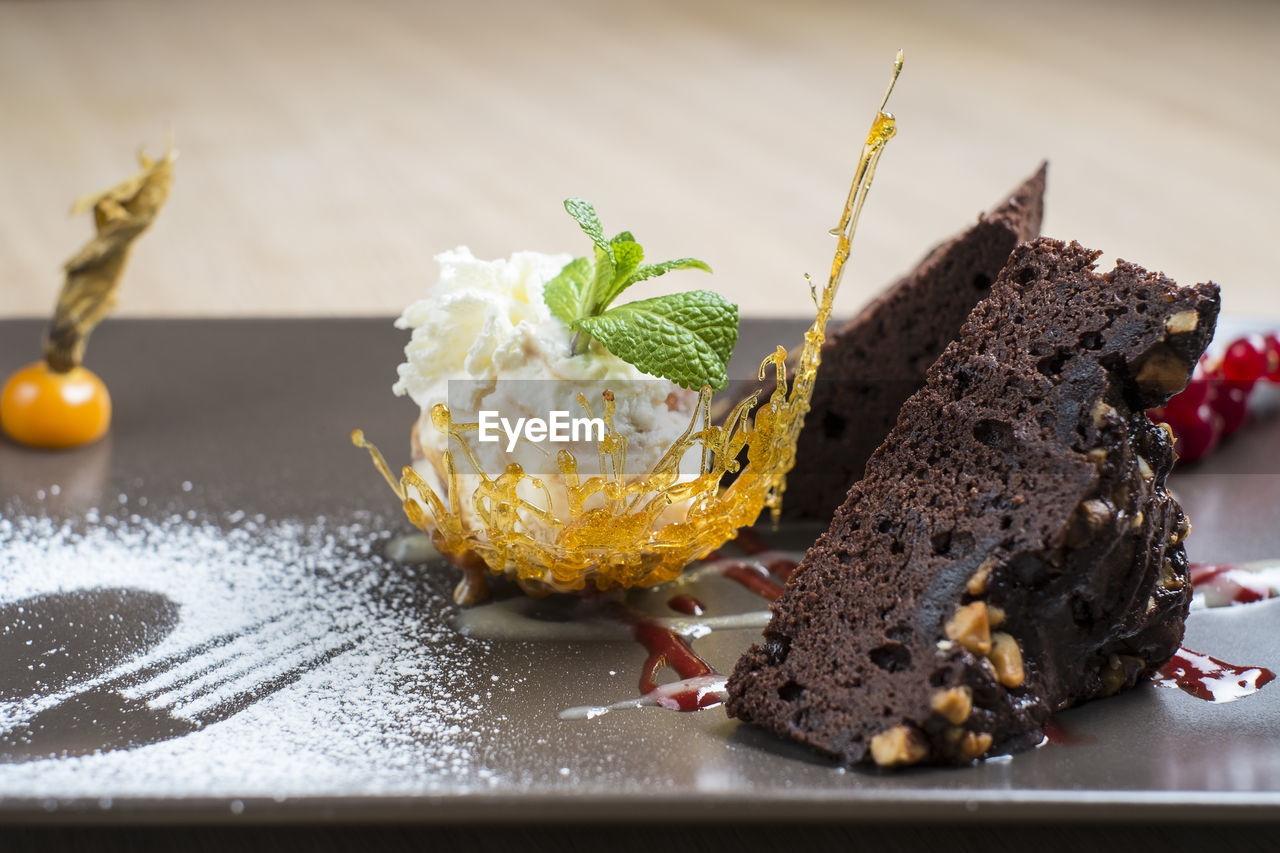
{"type": "Point", "coordinates": [1060, 735]}
{"type": "Point", "coordinates": [686, 604]}
{"type": "Point", "coordinates": [699, 685]}
{"type": "Point", "coordinates": [1222, 584]}
{"type": "Point", "coordinates": [1210, 679]}
{"type": "Point", "coordinates": [752, 578]}
{"type": "Point", "coordinates": [778, 564]}
{"type": "Point", "coordinates": [764, 574]}
{"type": "Point", "coordinates": [1216, 401]}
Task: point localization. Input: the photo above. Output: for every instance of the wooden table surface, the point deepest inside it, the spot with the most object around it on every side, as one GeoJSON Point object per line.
{"type": "Point", "coordinates": [330, 149]}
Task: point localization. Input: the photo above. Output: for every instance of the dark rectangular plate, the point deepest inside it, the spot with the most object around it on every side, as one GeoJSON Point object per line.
{"type": "Point", "coordinates": [231, 447]}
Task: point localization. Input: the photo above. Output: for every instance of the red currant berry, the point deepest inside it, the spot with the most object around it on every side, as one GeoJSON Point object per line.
{"type": "Point", "coordinates": [1244, 360]}
{"type": "Point", "coordinates": [1232, 403]}
{"type": "Point", "coordinates": [1271, 348]}
{"type": "Point", "coordinates": [1196, 436]}
{"type": "Point", "coordinates": [1184, 404]}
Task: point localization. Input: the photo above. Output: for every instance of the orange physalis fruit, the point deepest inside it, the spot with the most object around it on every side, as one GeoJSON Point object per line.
{"type": "Point", "coordinates": [41, 407]}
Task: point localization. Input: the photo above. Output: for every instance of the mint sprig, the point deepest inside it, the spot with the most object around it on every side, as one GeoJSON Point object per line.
{"type": "Point", "coordinates": [685, 337]}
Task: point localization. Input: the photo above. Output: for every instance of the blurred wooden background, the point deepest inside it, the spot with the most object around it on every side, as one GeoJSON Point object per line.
{"type": "Point", "coordinates": [330, 149]}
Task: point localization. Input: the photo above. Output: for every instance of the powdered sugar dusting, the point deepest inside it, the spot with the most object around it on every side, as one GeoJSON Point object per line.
{"type": "Point", "coordinates": [298, 661]}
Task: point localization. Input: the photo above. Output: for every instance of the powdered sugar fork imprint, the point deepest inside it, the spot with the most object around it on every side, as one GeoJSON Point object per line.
{"type": "Point", "coordinates": [77, 678]}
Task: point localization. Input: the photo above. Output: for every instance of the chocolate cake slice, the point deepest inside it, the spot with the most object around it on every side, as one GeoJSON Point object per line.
{"type": "Point", "coordinates": [1011, 550]}
{"type": "Point", "coordinates": [876, 361]}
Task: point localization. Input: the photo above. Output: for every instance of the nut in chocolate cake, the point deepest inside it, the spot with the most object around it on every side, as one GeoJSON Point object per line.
{"type": "Point", "coordinates": [1012, 549]}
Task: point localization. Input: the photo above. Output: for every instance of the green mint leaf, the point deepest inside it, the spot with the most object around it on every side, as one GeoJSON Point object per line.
{"type": "Point", "coordinates": [585, 214]}
{"type": "Point", "coordinates": [655, 270]}
{"type": "Point", "coordinates": [627, 255]}
{"type": "Point", "coordinates": [625, 278]}
{"type": "Point", "coordinates": [684, 337]}
{"type": "Point", "coordinates": [687, 337]}
{"type": "Point", "coordinates": [568, 293]}
{"type": "Point", "coordinates": [600, 282]}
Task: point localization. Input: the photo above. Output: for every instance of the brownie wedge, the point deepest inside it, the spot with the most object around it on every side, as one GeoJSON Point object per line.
{"type": "Point", "coordinates": [1012, 549]}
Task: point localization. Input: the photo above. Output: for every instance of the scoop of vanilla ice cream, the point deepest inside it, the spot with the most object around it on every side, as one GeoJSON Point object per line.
{"type": "Point", "coordinates": [486, 322]}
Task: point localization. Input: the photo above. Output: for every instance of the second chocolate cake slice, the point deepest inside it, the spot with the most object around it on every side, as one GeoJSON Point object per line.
{"type": "Point", "coordinates": [872, 364]}
{"type": "Point", "coordinates": [1011, 549]}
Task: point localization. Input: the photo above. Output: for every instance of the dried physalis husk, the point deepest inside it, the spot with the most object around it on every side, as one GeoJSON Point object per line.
{"type": "Point", "coordinates": [120, 215]}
